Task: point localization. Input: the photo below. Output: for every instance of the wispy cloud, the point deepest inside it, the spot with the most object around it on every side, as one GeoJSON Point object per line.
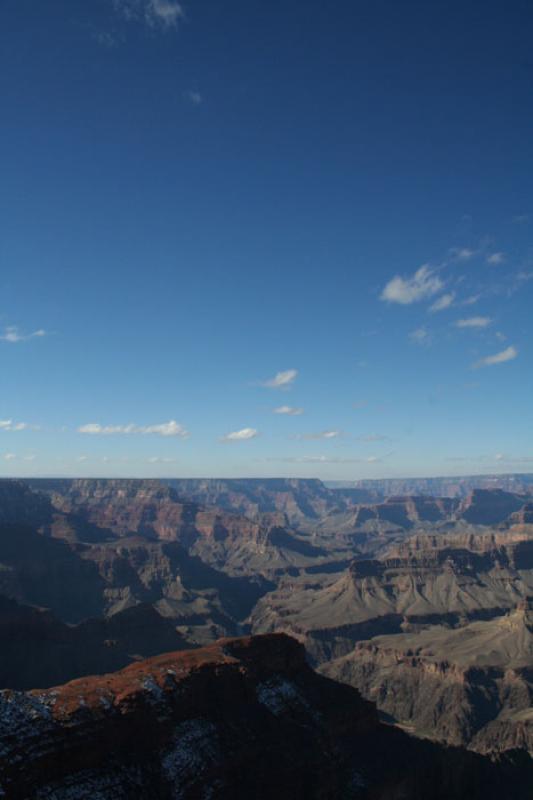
{"type": "Point", "coordinates": [13, 335]}
{"type": "Point", "coordinates": [498, 458]}
{"type": "Point", "coordinates": [470, 301]}
{"type": "Point", "coordinates": [171, 428]}
{"type": "Point", "coordinates": [106, 39]}
{"type": "Point", "coordinates": [509, 354]}
{"type": "Point", "coordinates": [195, 98]}
{"type": "Point", "coordinates": [374, 437]}
{"type": "Point", "coordinates": [523, 277]}
{"type": "Point", "coordinates": [473, 322]}
{"type": "Point", "coordinates": [423, 284]}
{"type": "Point", "coordinates": [503, 458]}
{"type": "Point", "coordinates": [494, 259]}
{"type": "Point", "coordinates": [9, 456]}
{"type": "Point", "coordinates": [443, 302]}
{"type": "Point", "coordinates": [325, 460]}
{"type": "Point", "coordinates": [281, 380]}
{"type": "Point", "coordinates": [161, 460]}
{"type": "Point", "coordinates": [462, 253]}
{"type": "Point", "coordinates": [9, 425]}
{"type": "Point", "coordinates": [420, 336]}
{"type": "Point", "coordinates": [156, 13]}
{"type": "Point", "coordinates": [289, 411]}
{"type": "Point", "coordinates": [320, 435]}
{"type": "Point", "coordinates": [242, 435]}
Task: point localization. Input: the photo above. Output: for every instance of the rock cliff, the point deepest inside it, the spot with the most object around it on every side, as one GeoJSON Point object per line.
{"type": "Point", "coordinates": [243, 718]}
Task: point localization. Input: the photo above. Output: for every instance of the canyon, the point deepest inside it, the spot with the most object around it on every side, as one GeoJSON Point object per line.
{"type": "Point", "coordinates": [422, 605]}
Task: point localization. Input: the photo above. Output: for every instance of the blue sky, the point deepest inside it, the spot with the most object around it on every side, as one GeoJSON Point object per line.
{"type": "Point", "coordinates": [251, 238]}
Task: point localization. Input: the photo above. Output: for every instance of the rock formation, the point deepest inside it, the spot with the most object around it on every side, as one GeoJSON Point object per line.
{"type": "Point", "coordinates": [471, 685]}
{"type": "Point", "coordinates": [243, 718]}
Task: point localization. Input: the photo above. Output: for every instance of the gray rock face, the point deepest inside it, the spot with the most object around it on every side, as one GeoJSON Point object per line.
{"type": "Point", "coordinates": [471, 685]}
{"type": "Point", "coordinates": [424, 583]}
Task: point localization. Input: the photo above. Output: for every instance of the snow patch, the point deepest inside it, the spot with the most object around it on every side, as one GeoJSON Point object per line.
{"type": "Point", "coordinates": [280, 696]}
{"type": "Point", "coordinates": [194, 749]}
{"type": "Point", "coordinates": [357, 781]}
{"type": "Point", "coordinates": [92, 784]}
{"type": "Point", "coordinates": [22, 716]}
{"type": "Point", "coordinates": [155, 692]}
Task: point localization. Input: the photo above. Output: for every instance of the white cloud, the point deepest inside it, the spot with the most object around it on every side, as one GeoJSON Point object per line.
{"type": "Point", "coordinates": [423, 284]}
{"type": "Point", "coordinates": [106, 39]}
{"type": "Point", "coordinates": [470, 301]}
{"type": "Point", "coordinates": [81, 459]}
{"type": "Point", "coordinates": [319, 435]}
{"type": "Point", "coordinates": [167, 12]}
{"type": "Point", "coordinates": [445, 301]}
{"type": "Point", "coordinates": [289, 410]}
{"type": "Point", "coordinates": [473, 322]}
{"type": "Point", "coordinates": [156, 13]}
{"type": "Point", "coordinates": [160, 460]}
{"type": "Point", "coordinates": [494, 259]}
{"type": "Point", "coordinates": [30, 457]}
{"type": "Point", "coordinates": [420, 336]}
{"type": "Point", "coordinates": [498, 358]}
{"type": "Point", "coordinates": [462, 253]}
{"type": "Point", "coordinates": [374, 437]}
{"type": "Point", "coordinates": [9, 456]}
{"type": "Point", "coordinates": [195, 98]}
{"type": "Point", "coordinates": [171, 428]}
{"type": "Point", "coordinates": [240, 436]}
{"type": "Point", "coordinates": [325, 460]}
{"type": "Point", "coordinates": [13, 335]}
{"type": "Point", "coordinates": [9, 425]}
{"type": "Point", "coordinates": [503, 457]}
{"type": "Point", "coordinates": [281, 380]}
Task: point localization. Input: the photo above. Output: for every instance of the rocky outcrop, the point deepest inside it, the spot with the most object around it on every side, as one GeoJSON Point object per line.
{"type": "Point", "coordinates": [20, 506]}
{"type": "Point", "coordinates": [236, 522]}
{"type": "Point", "coordinates": [521, 483]}
{"type": "Point", "coordinates": [300, 500]}
{"type": "Point", "coordinates": [415, 583]}
{"type": "Point", "coordinates": [76, 581]}
{"type": "Point", "coordinates": [37, 649]}
{"type": "Point", "coordinates": [489, 507]}
{"type": "Point", "coordinates": [243, 718]}
{"type": "Point", "coordinates": [471, 686]}
{"type": "Point", "coordinates": [103, 510]}
{"type": "Point", "coordinates": [407, 511]}
{"type": "Point", "coordinates": [38, 570]}
{"type": "Point", "coordinates": [524, 516]}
